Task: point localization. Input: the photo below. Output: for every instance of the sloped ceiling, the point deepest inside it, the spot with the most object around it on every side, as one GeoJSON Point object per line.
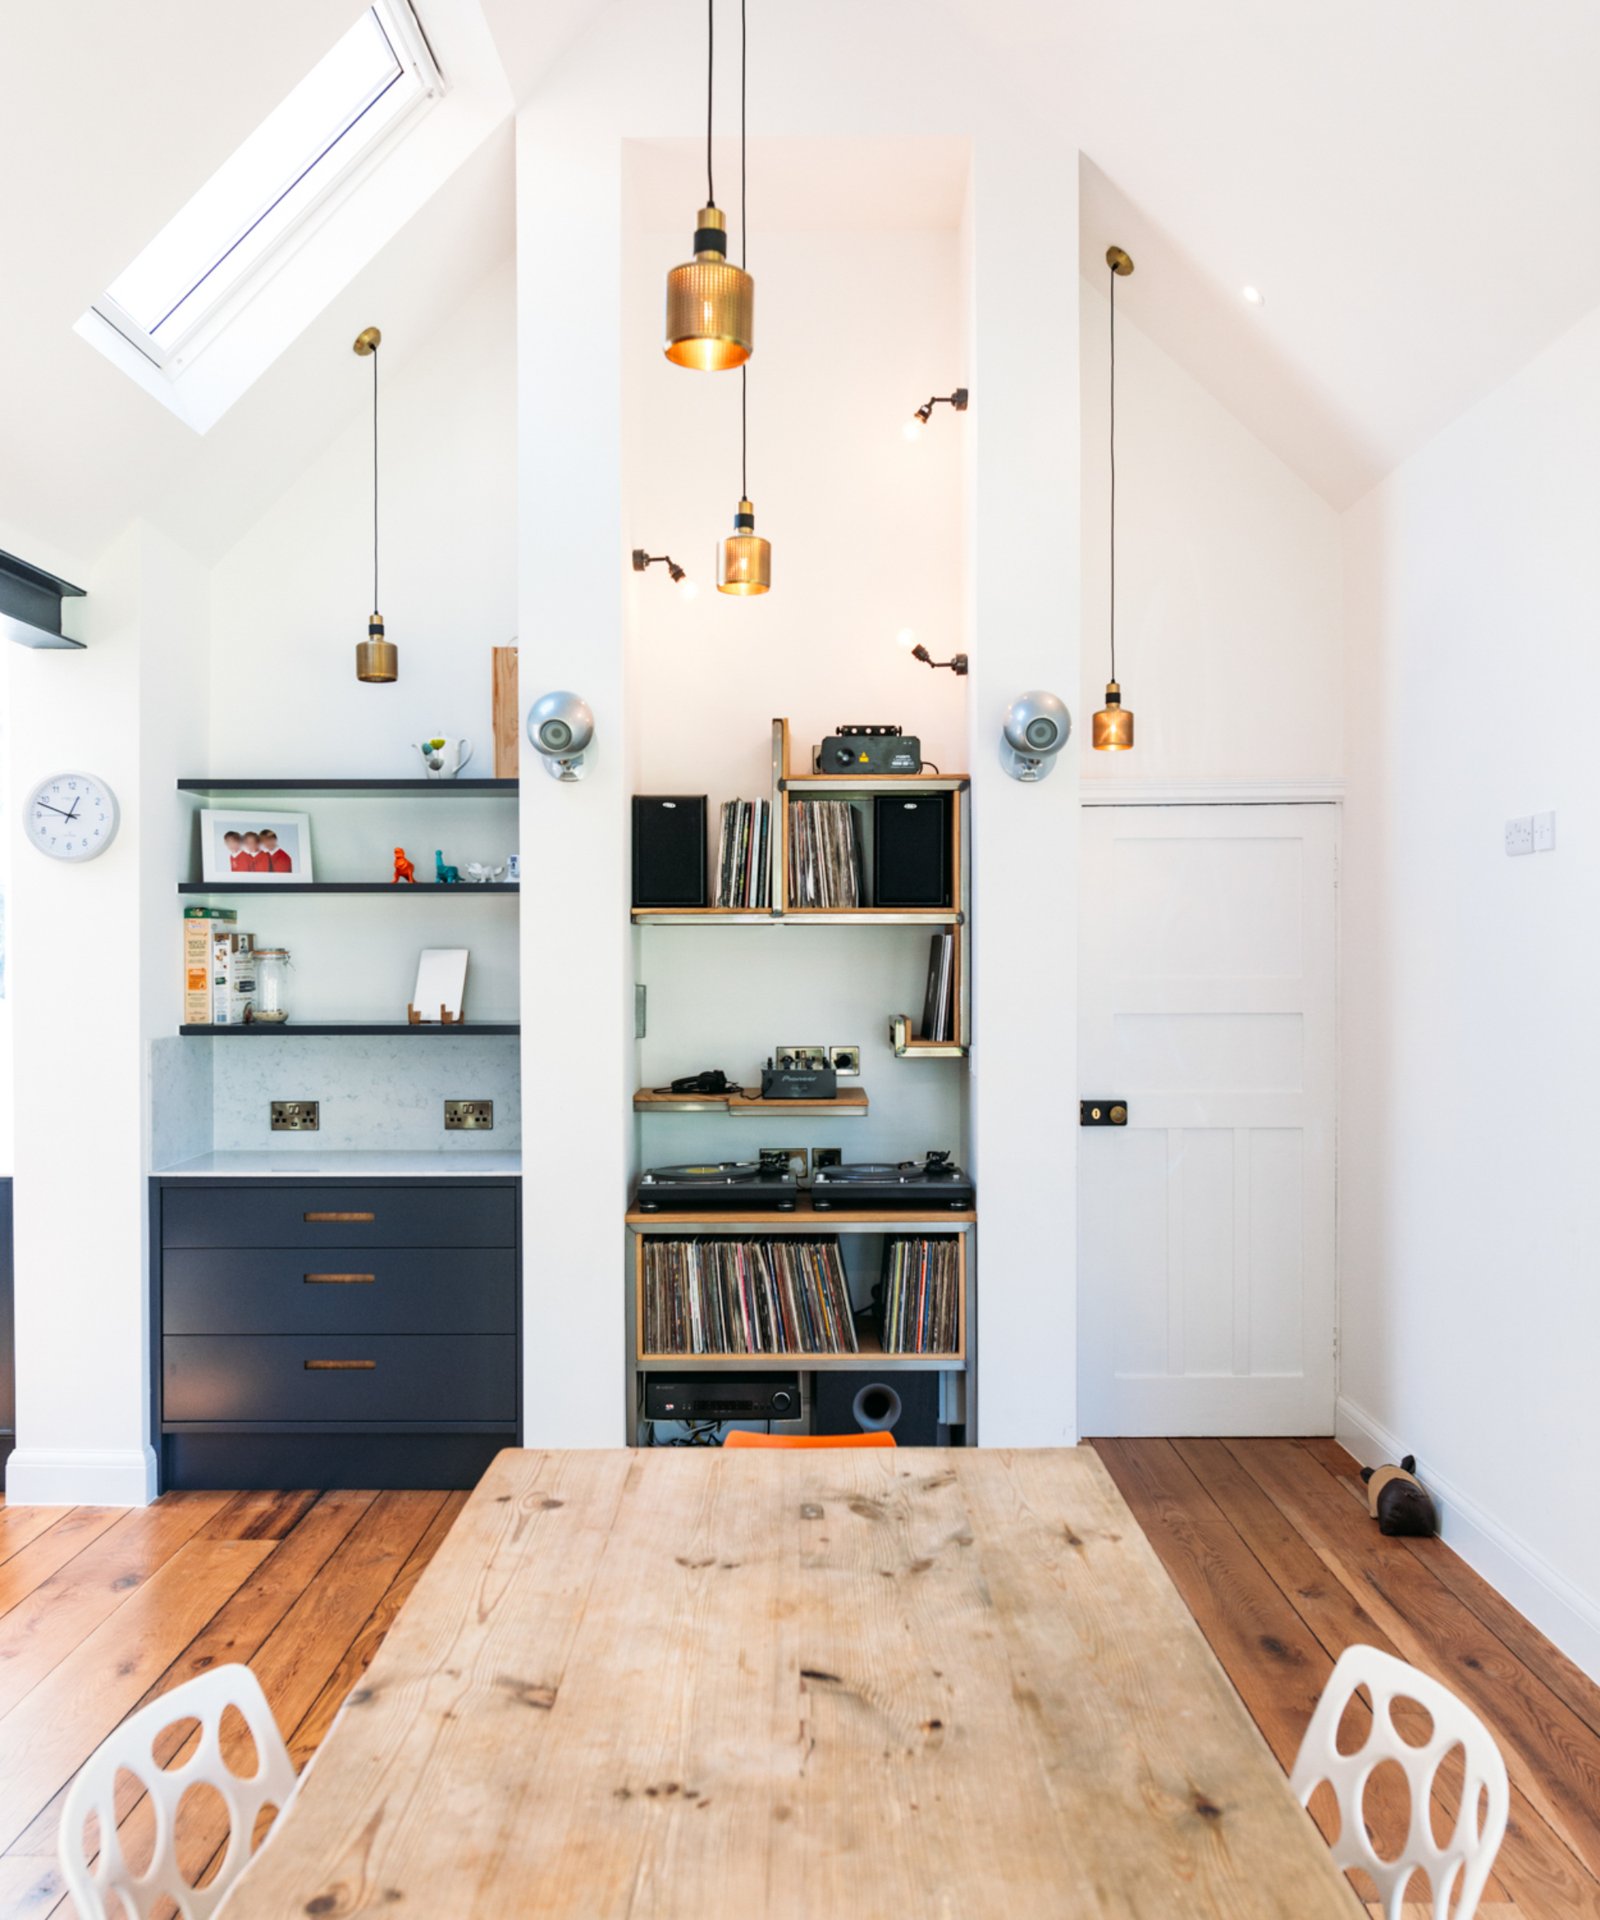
{"type": "Point", "coordinates": [1415, 187]}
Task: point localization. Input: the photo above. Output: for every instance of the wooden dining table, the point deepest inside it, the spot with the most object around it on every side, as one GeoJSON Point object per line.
{"type": "Point", "coordinates": [686, 1684]}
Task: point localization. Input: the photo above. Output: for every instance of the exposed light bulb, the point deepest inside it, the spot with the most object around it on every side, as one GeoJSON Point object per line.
{"type": "Point", "coordinates": [687, 588]}
{"type": "Point", "coordinates": [913, 428]}
{"type": "Point", "coordinates": [906, 638]}
{"type": "Point", "coordinates": [1252, 296]}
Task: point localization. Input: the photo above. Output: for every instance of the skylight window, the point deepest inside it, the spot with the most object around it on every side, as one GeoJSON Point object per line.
{"type": "Point", "coordinates": [374, 79]}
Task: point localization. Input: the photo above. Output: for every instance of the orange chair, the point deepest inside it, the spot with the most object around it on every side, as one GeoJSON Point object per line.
{"type": "Point", "coordinates": [740, 1438]}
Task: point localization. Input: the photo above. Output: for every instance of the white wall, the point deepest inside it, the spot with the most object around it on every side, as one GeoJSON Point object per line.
{"type": "Point", "coordinates": [1229, 643]}
{"type": "Point", "coordinates": [1471, 1024]}
{"type": "Point", "coordinates": [90, 979]}
{"type": "Point", "coordinates": [289, 601]}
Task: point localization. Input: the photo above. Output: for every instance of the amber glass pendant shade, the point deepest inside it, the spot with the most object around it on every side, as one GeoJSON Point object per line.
{"type": "Point", "coordinates": [1113, 724]}
{"type": "Point", "coordinates": [377, 659]}
{"type": "Point", "coordinates": [746, 559]}
{"type": "Point", "coordinates": [710, 304]}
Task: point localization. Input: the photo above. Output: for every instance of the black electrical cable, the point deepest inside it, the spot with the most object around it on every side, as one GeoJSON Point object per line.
{"type": "Point", "coordinates": [1113, 450]}
{"type": "Point", "coordinates": [711, 70]}
{"type": "Point", "coordinates": [376, 602]}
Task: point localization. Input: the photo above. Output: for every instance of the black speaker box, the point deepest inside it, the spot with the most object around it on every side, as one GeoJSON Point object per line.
{"type": "Point", "coordinates": [911, 850]}
{"type": "Point", "coordinates": [856, 1402]}
{"type": "Point", "coordinates": [669, 850]}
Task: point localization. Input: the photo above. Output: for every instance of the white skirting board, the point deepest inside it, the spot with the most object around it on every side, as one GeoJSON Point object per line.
{"type": "Point", "coordinates": [119, 1477]}
{"type": "Point", "coordinates": [1556, 1607]}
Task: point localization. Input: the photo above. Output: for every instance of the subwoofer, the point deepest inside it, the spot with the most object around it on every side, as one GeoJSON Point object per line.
{"type": "Point", "coordinates": [669, 850]}
{"type": "Point", "coordinates": [904, 1404]}
{"type": "Point", "coordinates": [911, 850]}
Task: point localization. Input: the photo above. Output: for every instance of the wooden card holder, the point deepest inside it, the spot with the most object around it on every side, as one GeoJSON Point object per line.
{"type": "Point", "coordinates": [446, 1018]}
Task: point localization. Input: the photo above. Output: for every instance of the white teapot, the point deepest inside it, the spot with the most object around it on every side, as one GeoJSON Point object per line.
{"type": "Point", "coordinates": [443, 759]}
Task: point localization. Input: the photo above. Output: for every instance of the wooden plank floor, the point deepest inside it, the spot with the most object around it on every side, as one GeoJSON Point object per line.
{"type": "Point", "coordinates": [1270, 1545]}
{"type": "Point", "coordinates": [1267, 1541]}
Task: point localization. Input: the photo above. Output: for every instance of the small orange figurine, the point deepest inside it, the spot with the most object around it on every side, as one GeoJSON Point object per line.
{"type": "Point", "coordinates": [403, 869]}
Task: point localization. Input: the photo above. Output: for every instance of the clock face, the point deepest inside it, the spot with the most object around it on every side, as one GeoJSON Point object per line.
{"type": "Point", "coordinates": [71, 816]}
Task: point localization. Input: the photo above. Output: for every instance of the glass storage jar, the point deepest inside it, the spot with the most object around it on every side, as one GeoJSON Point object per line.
{"type": "Point", "coordinates": [272, 973]}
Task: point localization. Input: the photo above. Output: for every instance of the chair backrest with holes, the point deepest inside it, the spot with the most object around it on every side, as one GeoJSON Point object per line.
{"type": "Point", "coordinates": [1470, 1849]}
{"type": "Point", "coordinates": [132, 1747]}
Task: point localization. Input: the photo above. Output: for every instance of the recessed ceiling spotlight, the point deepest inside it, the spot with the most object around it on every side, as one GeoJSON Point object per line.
{"type": "Point", "coordinates": [1252, 296]}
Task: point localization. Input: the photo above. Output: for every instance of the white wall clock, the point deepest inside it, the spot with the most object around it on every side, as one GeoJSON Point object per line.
{"type": "Point", "coordinates": [71, 816]}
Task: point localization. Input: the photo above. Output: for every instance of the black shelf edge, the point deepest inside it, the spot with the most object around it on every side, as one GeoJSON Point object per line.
{"type": "Point", "coordinates": [508, 788]}
{"type": "Point", "coordinates": [289, 1028]}
{"type": "Point", "coordinates": [348, 886]}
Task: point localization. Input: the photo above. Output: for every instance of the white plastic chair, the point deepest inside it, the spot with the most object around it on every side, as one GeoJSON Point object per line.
{"type": "Point", "coordinates": [132, 1746]}
{"type": "Point", "coordinates": [1471, 1847]}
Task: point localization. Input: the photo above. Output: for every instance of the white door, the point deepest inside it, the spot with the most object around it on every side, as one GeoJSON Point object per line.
{"type": "Point", "coordinates": [1206, 1223]}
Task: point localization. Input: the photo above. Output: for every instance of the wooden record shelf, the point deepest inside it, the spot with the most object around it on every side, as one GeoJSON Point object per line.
{"type": "Point", "coordinates": [848, 1103]}
{"type": "Point", "coordinates": [870, 1354]}
{"type": "Point", "coordinates": [908, 1047]}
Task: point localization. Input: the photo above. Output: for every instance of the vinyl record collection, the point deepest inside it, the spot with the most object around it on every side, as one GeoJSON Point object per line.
{"type": "Point", "coordinates": [825, 864]}
{"type": "Point", "coordinates": [938, 1005]}
{"type": "Point", "coordinates": [921, 1297]}
{"type": "Point", "coordinates": [743, 865]}
{"type": "Point", "coordinates": [746, 1296]}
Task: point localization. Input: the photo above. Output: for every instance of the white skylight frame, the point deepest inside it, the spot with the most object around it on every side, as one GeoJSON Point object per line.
{"type": "Point", "coordinates": [329, 133]}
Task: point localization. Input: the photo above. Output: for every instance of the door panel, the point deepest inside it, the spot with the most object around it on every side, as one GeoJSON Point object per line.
{"type": "Point", "coordinates": [1206, 1250]}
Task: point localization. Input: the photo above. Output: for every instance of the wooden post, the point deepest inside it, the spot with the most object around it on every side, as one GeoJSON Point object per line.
{"type": "Point", "coordinates": [507, 730]}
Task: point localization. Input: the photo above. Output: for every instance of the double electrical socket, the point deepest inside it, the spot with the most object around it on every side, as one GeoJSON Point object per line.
{"type": "Point", "coordinates": [295, 1116]}
{"type": "Point", "coordinates": [1531, 833]}
{"type": "Point", "coordinates": [843, 1060]}
{"type": "Point", "coordinates": [468, 1116]}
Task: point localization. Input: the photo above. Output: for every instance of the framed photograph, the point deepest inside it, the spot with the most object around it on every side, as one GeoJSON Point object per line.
{"type": "Point", "coordinates": [251, 848]}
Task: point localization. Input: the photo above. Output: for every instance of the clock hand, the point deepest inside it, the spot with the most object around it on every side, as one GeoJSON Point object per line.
{"type": "Point", "coordinates": [61, 810]}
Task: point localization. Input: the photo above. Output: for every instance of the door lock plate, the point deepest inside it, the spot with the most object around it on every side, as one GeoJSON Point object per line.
{"type": "Point", "coordinates": [1102, 1113]}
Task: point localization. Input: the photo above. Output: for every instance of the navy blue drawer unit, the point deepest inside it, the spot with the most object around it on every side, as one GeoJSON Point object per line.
{"type": "Point", "coordinates": [314, 1333]}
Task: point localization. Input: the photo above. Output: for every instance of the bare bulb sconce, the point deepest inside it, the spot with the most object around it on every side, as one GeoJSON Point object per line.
{"type": "Point", "coordinates": [957, 663]}
{"type": "Point", "coordinates": [924, 413]}
{"type": "Point", "coordinates": [686, 587]}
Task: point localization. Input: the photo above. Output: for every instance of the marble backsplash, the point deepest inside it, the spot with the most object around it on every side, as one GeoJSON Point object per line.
{"type": "Point", "coordinates": [385, 1093]}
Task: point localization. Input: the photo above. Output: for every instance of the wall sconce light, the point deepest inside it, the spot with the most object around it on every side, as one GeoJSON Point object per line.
{"type": "Point", "coordinates": [1037, 727]}
{"type": "Point", "coordinates": [686, 587]}
{"type": "Point", "coordinates": [561, 727]}
{"type": "Point", "coordinates": [957, 663]}
{"type": "Point", "coordinates": [924, 413]}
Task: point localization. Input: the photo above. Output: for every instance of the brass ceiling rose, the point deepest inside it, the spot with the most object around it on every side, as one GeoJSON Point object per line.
{"type": "Point", "coordinates": [1118, 261]}
{"type": "Point", "coordinates": [368, 340]}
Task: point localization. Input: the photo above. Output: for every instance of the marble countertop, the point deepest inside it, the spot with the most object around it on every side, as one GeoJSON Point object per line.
{"type": "Point", "coordinates": [312, 1164]}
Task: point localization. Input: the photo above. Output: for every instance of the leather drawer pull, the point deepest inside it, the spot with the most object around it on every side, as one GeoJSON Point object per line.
{"type": "Point", "coordinates": [340, 1366]}
{"type": "Point", "coordinates": [338, 1279]}
{"type": "Point", "coordinates": [340, 1216]}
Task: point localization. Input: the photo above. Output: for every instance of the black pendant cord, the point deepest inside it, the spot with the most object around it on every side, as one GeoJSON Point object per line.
{"type": "Point", "coordinates": [711, 71]}
{"type": "Point", "coordinates": [1113, 449]}
{"type": "Point", "coordinates": [744, 262]}
{"type": "Point", "coordinates": [376, 602]}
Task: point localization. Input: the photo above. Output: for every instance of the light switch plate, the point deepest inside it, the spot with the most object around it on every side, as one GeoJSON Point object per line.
{"type": "Point", "coordinates": [1519, 834]}
{"type": "Point", "coordinates": [1544, 832]}
{"type": "Point", "coordinates": [845, 1060]}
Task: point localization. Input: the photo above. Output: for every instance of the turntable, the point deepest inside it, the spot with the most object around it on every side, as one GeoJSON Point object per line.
{"type": "Point", "coordinates": [725, 1184]}
{"type": "Point", "coordinates": [930, 1184]}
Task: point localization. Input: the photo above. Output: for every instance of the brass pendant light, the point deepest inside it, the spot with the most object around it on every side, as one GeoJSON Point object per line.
{"type": "Point", "coordinates": [745, 564]}
{"type": "Point", "coordinates": [1113, 724]}
{"type": "Point", "coordinates": [377, 659]}
{"type": "Point", "coordinates": [710, 303]}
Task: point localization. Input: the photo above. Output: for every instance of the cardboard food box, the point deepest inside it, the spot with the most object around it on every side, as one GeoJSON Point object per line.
{"type": "Point", "coordinates": [199, 925]}
{"type": "Point", "coordinates": [233, 978]}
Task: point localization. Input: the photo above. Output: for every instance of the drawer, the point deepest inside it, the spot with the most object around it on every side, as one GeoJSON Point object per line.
{"type": "Point", "coordinates": [335, 1378]}
{"type": "Point", "coordinates": [328, 1290]}
{"type": "Point", "coordinates": [329, 1215]}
